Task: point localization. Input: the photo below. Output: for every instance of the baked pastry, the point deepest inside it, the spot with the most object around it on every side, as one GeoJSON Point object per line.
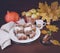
{"type": "Point", "coordinates": [33, 27]}
{"type": "Point", "coordinates": [27, 30]}
{"type": "Point", "coordinates": [18, 30]}
{"type": "Point", "coordinates": [28, 24]}
{"type": "Point", "coordinates": [21, 36]}
{"type": "Point", "coordinates": [32, 35]}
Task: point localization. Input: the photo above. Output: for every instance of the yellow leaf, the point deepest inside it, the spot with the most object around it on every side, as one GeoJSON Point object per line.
{"type": "Point", "coordinates": [44, 32]}
{"type": "Point", "coordinates": [23, 13]}
{"type": "Point", "coordinates": [55, 42]}
{"type": "Point", "coordinates": [52, 28]}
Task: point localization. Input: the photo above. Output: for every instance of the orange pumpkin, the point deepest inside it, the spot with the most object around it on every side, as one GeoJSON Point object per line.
{"type": "Point", "coordinates": [11, 16]}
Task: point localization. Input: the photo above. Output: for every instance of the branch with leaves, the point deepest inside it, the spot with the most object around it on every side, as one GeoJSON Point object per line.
{"type": "Point", "coordinates": [49, 30]}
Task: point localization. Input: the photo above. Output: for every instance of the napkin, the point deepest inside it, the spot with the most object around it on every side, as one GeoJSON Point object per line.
{"type": "Point", "coordinates": [7, 26]}
{"type": "Point", "coordinates": [21, 21]}
{"type": "Point", "coordinates": [4, 39]}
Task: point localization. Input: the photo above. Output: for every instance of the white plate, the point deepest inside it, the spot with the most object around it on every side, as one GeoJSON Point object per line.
{"type": "Point", "coordinates": [14, 38]}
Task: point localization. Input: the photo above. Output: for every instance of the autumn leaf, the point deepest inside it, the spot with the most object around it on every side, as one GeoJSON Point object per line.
{"type": "Point", "coordinates": [55, 42]}
{"type": "Point", "coordinates": [44, 32]}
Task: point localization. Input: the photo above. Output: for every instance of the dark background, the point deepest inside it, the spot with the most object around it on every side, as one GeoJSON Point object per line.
{"type": "Point", "coordinates": [19, 6]}
{"type": "Point", "coordinates": [24, 5]}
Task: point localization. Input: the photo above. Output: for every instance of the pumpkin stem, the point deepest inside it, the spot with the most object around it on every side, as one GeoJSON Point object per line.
{"type": "Point", "coordinates": [7, 12]}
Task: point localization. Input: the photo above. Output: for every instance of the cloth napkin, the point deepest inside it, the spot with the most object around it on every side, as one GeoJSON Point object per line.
{"type": "Point", "coordinates": [21, 21]}
{"type": "Point", "coordinates": [4, 33]}
{"type": "Point", "coordinates": [4, 39]}
{"type": "Point", "coordinates": [6, 27]}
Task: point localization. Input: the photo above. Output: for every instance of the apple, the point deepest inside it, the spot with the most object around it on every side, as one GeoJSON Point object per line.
{"type": "Point", "coordinates": [28, 14]}
{"type": "Point", "coordinates": [38, 14]}
{"type": "Point", "coordinates": [34, 16]}
{"type": "Point", "coordinates": [33, 10]}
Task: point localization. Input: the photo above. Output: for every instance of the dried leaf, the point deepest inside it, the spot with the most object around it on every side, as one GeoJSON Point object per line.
{"type": "Point", "coordinates": [52, 28]}
{"type": "Point", "coordinates": [54, 5]}
{"type": "Point", "coordinates": [44, 32]}
{"type": "Point", "coordinates": [55, 42]}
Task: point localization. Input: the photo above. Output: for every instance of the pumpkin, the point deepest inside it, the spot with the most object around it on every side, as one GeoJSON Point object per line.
{"type": "Point", "coordinates": [11, 16]}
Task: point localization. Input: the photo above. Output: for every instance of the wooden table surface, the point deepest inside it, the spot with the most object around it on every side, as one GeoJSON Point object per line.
{"type": "Point", "coordinates": [36, 46]}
